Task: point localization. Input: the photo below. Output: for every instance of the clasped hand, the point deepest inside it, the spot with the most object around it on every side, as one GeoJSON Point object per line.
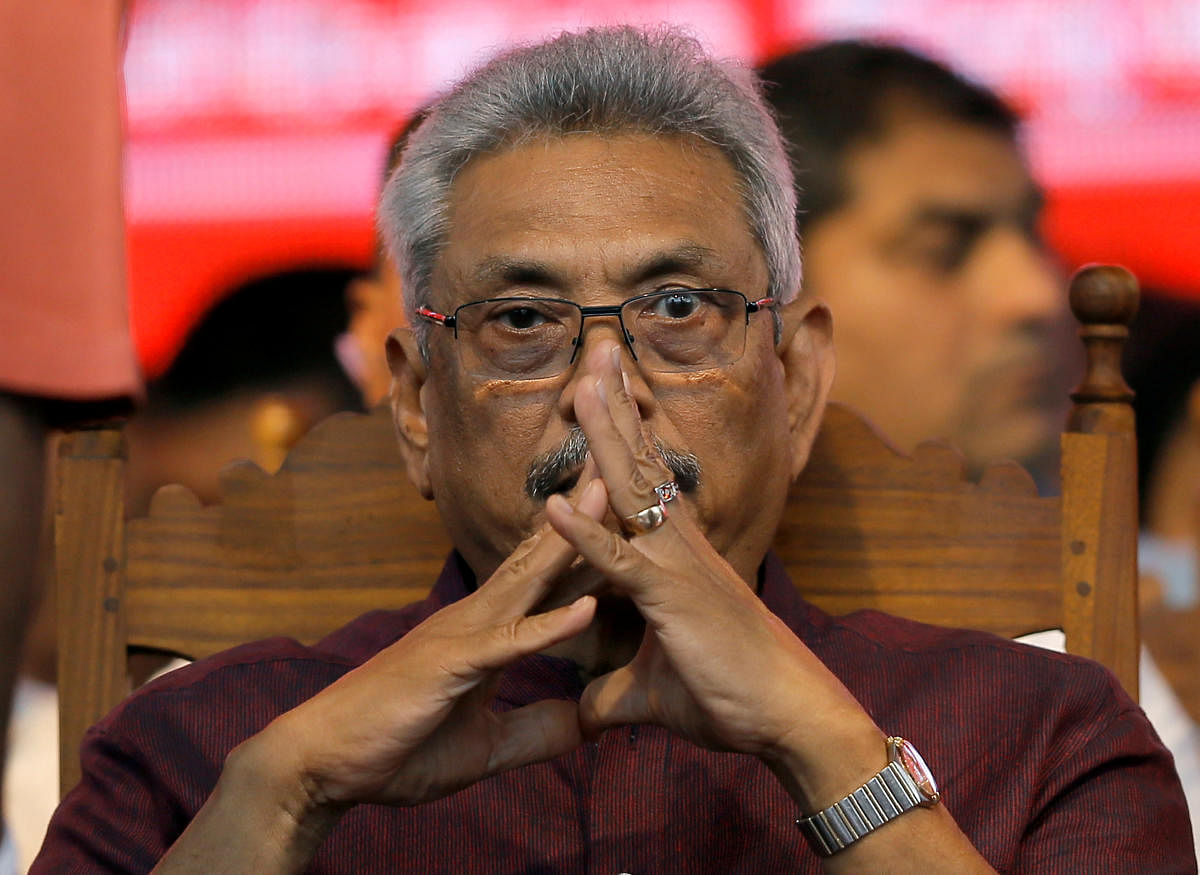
{"type": "Point", "coordinates": [715, 666]}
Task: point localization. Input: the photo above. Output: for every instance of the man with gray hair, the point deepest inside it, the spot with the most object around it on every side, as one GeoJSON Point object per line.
{"type": "Point", "coordinates": [613, 673]}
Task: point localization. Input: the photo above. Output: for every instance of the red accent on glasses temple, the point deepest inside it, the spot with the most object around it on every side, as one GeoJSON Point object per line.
{"type": "Point", "coordinates": [433, 315]}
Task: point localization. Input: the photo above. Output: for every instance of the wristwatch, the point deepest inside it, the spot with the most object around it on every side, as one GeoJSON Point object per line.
{"type": "Point", "coordinates": [903, 784]}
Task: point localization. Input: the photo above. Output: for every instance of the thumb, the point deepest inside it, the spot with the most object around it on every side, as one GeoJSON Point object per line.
{"type": "Point", "coordinates": [534, 733]}
{"type": "Point", "coordinates": [614, 699]}
{"type": "Point", "coordinates": [508, 641]}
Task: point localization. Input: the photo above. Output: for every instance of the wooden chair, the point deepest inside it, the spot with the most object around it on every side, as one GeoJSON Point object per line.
{"type": "Point", "coordinates": [339, 531]}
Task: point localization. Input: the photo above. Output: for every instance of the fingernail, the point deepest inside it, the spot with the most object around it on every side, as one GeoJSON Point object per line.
{"type": "Point", "coordinates": [600, 389]}
{"type": "Point", "coordinates": [556, 500]}
{"type": "Point", "coordinates": [616, 357]}
{"type": "Point", "coordinates": [625, 382]}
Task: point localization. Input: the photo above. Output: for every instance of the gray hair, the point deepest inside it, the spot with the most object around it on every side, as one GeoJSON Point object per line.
{"type": "Point", "coordinates": [606, 81]}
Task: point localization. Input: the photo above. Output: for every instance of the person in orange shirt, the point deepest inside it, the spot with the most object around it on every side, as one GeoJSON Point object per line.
{"type": "Point", "coordinates": [66, 352]}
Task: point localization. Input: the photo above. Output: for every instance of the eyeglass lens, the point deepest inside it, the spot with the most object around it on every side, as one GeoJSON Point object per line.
{"type": "Point", "coordinates": [671, 331]}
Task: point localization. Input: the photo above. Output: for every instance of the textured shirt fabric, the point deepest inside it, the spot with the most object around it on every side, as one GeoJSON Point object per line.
{"type": "Point", "coordinates": [1045, 762]}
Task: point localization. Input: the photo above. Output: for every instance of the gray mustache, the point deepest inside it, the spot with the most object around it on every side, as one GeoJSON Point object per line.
{"type": "Point", "coordinates": [549, 470]}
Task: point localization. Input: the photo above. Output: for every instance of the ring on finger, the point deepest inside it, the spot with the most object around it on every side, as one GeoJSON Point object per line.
{"type": "Point", "coordinates": [650, 518]}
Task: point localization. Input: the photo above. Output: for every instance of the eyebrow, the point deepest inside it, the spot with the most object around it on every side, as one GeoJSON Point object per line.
{"type": "Point", "coordinates": [939, 214]}
{"type": "Point", "coordinates": [508, 270]}
{"type": "Point", "coordinates": [684, 258]}
{"type": "Point", "coordinates": [978, 217]}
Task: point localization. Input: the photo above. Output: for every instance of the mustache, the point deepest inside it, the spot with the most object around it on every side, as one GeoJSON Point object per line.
{"type": "Point", "coordinates": [548, 471]}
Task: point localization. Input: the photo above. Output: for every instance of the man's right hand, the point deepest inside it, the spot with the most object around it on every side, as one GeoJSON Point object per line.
{"type": "Point", "coordinates": [411, 725]}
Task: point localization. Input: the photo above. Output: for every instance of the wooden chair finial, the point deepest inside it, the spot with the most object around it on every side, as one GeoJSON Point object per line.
{"type": "Point", "coordinates": [1104, 298]}
{"type": "Point", "coordinates": [1099, 480]}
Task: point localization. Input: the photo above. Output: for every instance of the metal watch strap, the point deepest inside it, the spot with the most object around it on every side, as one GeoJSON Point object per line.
{"type": "Point", "coordinates": [885, 797]}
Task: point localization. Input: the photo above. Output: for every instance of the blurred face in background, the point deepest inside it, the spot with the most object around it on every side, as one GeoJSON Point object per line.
{"type": "Point", "coordinates": [376, 307]}
{"type": "Point", "coordinates": [948, 313]}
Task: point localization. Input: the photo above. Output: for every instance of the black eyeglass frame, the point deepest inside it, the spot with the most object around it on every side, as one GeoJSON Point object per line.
{"type": "Point", "coordinates": [450, 320]}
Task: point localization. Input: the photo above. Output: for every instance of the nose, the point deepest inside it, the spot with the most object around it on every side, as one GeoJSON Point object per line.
{"type": "Point", "coordinates": [594, 357]}
{"type": "Point", "coordinates": [1020, 284]}
{"type": "Point", "coordinates": [610, 316]}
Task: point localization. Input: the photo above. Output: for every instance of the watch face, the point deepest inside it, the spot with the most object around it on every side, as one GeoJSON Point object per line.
{"type": "Point", "coordinates": [915, 766]}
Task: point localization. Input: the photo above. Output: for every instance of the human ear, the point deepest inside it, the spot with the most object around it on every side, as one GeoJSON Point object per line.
{"type": "Point", "coordinates": [408, 407]}
{"type": "Point", "coordinates": [374, 311]}
{"type": "Point", "coordinates": [806, 350]}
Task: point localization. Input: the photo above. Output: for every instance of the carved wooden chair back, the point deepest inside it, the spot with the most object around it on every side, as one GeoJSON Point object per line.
{"type": "Point", "coordinates": [339, 531]}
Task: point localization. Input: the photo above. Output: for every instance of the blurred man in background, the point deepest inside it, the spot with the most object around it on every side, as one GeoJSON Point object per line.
{"type": "Point", "coordinates": [920, 226]}
{"type": "Point", "coordinates": [374, 300]}
{"type": "Point", "coordinates": [253, 376]}
{"type": "Point", "coordinates": [919, 219]}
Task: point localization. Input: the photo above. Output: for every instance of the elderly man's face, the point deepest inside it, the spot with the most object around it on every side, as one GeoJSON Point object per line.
{"type": "Point", "coordinates": [945, 306]}
{"type": "Point", "coordinates": [597, 220]}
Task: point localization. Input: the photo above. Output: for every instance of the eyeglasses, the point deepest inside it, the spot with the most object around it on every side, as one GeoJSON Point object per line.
{"type": "Point", "coordinates": [669, 331]}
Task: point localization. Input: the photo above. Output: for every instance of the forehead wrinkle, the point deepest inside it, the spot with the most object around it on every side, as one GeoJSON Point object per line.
{"type": "Point", "coordinates": [595, 189]}
{"type": "Point", "coordinates": [686, 257]}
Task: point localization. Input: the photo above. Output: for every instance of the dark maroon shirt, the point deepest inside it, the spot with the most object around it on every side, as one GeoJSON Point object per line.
{"type": "Point", "coordinates": [1044, 761]}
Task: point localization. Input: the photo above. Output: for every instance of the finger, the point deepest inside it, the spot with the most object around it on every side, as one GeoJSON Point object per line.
{"type": "Point", "coordinates": [534, 733]}
{"type": "Point", "coordinates": [622, 407]}
{"type": "Point", "coordinates": [590, 494]}
{"type": "Point", "coordinates": [627, 460]}
{"type": "Point", "coordinates": [524, 578]}
{"type": "Point", "coordinates": [581, 578]}
{"type": "Point", "coordinates": [503, 643]}
{"type": "Point", "coordinates": [622, 564]}
{"type": "Point", "coordinates": [614, 699]}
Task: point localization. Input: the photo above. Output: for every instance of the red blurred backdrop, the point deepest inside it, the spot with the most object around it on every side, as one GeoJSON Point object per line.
{"type": "Point", "coordinates": [257, 128]}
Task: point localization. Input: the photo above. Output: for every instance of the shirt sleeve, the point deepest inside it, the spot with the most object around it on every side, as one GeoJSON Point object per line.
{"type": "Point", "coordinates": [118, 819]}
{"type": "Point", "coordinates": [1111, 801]}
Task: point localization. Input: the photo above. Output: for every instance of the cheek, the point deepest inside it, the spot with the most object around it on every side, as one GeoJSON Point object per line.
{"type": "Point", "coordinates": [488, 443]}
{"type": "Point", "coordinates": [728, 416]}
{"type": "Point", "coordinates": [479, 459]}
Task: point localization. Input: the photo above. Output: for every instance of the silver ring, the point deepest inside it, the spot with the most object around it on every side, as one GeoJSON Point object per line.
{"type": "Point", "coordinates": [650, 518]}
{"type": "Point", "coordinates": [666, 491]}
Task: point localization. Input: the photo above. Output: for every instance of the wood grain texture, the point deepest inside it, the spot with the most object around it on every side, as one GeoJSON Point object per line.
{"type": "Point", "coordinates": [89, 558]}
{"type": "Point", "coordinates": [336, 532]}
{"type": "Point", "coordinates": [867, 527]}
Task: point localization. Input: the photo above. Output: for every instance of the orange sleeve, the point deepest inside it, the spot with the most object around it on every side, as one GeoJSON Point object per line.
{"type": "Point", "coordinates": [64, 314]}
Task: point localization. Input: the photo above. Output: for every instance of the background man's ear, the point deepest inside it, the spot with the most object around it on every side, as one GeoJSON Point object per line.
{"type": "Point", "coordinates": [809, 366]}
{"type": "Point", "coordinates": [408, 408]}
{"type": "Point", "coordinates": [375, 309]}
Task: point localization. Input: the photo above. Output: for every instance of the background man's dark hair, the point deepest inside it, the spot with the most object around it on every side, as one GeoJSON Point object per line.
{"type": "Point", "coordinates": [836, 95]}
{"type": "Point", "coordinates": [269, 333]}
